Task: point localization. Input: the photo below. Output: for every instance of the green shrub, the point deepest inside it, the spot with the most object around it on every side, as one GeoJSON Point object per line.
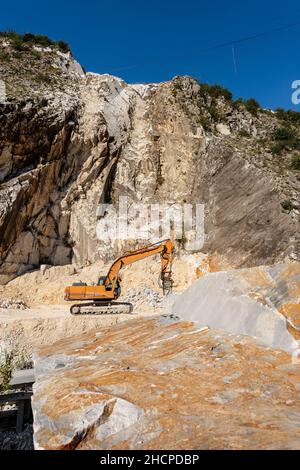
{"type": "Point", "coordinates": [286, 138]}
{"type": "Point", "coordinates": [296, 144]}
{"type": "Point", "coordinates": [284, 133]}
{"type": "Point", "coordinates": [6, 368]}
{"type": "Point", "coordinates": [296, 162]}
{"type": "Point", "coordinates": [11, 34]}
{"type": "Point", "coordinates": [63, 46]}
{"type": "Point", "coordinates": [42, 40]}
{"type": "Point", "coordinates": [215, 114]}
{"type": "Point", "coordinates": [20, 40]}
{"type": "Point", "coordinates": [237, 103]}
{"type": "Point", "coordinates": [287, 205]}
{"type": "Point", "coordinates": [17, 55]}
{"type": "Point", "coordinates": [216, 91]}
{"type": "Point", "coordinates": [252, 106]}
{"type": "Point", "coordinates": [290, 116]}
{"type": "Point", "coordinates": [243, 133]}
{"type": "Point", "coordinates": [205, 122]}
{"type": "Point", "coordinates": [277, 148]}
{"type": "Point", "coordinates": [28, 37]}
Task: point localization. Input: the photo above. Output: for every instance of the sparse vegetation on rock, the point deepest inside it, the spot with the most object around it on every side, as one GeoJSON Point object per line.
{"type": "Point", "coordinates": [252, 106]}
{"type": "Point", "coordinates": [288, 116]}
{"type": "Point", "coordinates": [216, 91]}
{"type": "Point", "coordinates": [6, 368]}
{"type": "Point", "coordinates": [244, 133]}
{"type": "Point", "coordinates": [285, 138]}
{"type": "Point", "coordinates": [287, 205]}
{"type": "Point", "coordinates": [33, 66]}
{"type": "Point", "coordinates": [21, 42]}
{"type": "Point", "coordinates": [296, 162]}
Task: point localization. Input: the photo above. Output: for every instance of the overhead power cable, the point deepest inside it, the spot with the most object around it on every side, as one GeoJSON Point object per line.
{"type": "Point", "coordinates": [231, 43]}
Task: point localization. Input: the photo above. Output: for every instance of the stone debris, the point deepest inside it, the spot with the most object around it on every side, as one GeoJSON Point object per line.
{"type": "Point", "coordinates": [153, 384]}
{"type": "Point", "coordinates": [263, 302]}
{"type": "Point", "coordinates": [13, 304]}
{"type": "Point", "coordinates": [143, 295]}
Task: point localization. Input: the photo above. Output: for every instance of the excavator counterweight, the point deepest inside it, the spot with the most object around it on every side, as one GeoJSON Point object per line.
{"type": "Point", "coordinates": [102, 296]}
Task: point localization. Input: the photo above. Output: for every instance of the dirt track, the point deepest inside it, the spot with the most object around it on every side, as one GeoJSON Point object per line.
{"type": "Point", "coordinates": [24, 331]}
{"type": "Point", "coordinates": [48, 319]}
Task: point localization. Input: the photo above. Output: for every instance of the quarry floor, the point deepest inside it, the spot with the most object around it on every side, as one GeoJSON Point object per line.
{"type": "Point", "coordinates": [224, 358]}
{"type": "Point", "coordinates": [48, 319]}
{"type": "Point", "coordinates": [23, 331]}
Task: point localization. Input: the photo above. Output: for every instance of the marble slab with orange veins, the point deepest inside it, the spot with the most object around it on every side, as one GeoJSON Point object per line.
{"type": "Point", "coordinates": [162, 383]}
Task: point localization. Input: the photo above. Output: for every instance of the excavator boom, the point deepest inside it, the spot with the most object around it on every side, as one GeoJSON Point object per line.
{"type": "Point", "coordinates": [108, 287]}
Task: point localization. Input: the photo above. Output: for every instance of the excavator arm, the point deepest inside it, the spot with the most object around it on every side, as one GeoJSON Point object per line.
{"type": "Point", "coordinates": [165, 248]}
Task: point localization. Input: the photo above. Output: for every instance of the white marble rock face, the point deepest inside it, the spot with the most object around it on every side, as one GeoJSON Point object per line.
{"type": "Point", "coordinates": [71, 141]}
{"type": "Point", "coordinates": [254, 301]}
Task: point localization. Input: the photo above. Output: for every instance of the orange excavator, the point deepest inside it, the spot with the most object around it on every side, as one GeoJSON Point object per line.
{"type": "Point", "coordinates": [101, 297]}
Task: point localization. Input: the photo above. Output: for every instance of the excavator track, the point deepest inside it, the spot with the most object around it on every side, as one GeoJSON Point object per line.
{"type": "Point", "coordinates": [101, 308]}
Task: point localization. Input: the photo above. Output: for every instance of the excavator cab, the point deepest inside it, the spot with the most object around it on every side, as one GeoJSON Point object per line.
{"type": "Point", "coordinates": [101, 282]}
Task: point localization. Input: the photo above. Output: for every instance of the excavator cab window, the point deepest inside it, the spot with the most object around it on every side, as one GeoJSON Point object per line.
{"type": "Point", "coordinates": [101, 280]}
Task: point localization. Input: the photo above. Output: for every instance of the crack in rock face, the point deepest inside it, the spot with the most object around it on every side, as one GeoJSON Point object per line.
{"type": "Point", "coordinates": [113, 417]}
{"type": "Point", "coordinates": [117, 415]}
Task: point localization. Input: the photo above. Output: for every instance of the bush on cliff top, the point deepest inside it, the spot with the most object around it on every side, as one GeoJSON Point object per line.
{"type": "Point", "coordinates": [216, 91]}
{"type": "Point", "coordinates": [285, 138]}
{"type": "Point", "coordinates": [290, 116]}
{"type": "Point", "coordinates": [20, 41]}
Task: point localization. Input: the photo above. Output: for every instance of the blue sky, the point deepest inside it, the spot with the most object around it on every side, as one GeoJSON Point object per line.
{"type": "Point", "coordinates": [154, 41]}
